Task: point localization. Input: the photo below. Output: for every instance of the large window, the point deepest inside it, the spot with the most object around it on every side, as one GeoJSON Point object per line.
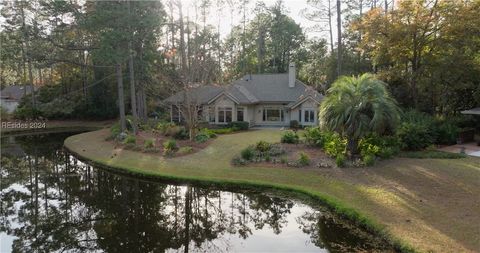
{"type": "Point", "coordinates": [240, 114]}
{"type": "Point", "coordinates": [309, 116]}
{"type": "Point", "coordinates": [224, 114]}
{"type": "Point", "coordinates": [273, 114]}
{"type": "Point", "coordinates": [211, 114]}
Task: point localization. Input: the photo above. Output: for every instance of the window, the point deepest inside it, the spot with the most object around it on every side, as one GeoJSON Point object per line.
{"type": "Point", "coordinates": [309, 116]}
{"type": "Point", "coordinates": [273, 114]}
{"type": "Point", "coordinates": [211, 114]}
{"type": "Point", "coordinates": [224, 114]}
{"type": "Point", "coordinates": [299, 116]}
{"type": "Point", "coordinates": [240, 114]}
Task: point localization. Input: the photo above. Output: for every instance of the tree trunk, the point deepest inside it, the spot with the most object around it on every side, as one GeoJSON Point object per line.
{"type": "Point", "coordinates": [339, 31]}
{"type": "Point", "coordinates": [30, 76]}
{"type": "Point", "coordinates": [352, 146]}
{"type": "Point", "coordinates": [330, 29]}
{"type": "Point", "coordinates": [182, 37]}
{"type": "Point", "coordinates": [133, 100]}
{"type": "Point", "coordinates": [121, 102]}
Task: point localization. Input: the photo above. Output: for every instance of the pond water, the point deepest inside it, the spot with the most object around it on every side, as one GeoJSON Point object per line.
{"type": "Point", "coordinates": [52, 202]}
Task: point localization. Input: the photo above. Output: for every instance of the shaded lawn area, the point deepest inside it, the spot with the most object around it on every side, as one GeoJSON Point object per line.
{"type": "Point", "coordinates": [430, 204]}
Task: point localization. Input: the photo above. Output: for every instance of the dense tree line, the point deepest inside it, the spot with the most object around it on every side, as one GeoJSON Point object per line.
{"type": "Point", "coordinates": [81, 53]}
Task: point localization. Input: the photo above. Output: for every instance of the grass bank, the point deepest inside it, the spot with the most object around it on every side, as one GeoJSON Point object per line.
{"type": "Point", "coordinates": [426, 203]}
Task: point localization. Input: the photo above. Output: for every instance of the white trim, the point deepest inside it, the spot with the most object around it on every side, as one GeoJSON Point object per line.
{"type": "Point", "coordinates": [303, 100]}
{"type": "Point", "coordinates": [226, 94]}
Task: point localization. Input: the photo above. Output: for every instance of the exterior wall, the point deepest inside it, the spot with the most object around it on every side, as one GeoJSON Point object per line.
{"type": "Point", "coordinates": [8, 104]}
{"type": "Point", "coordinates": [307, 105]}
{"type": "Point", "coordinates": [224, 101]}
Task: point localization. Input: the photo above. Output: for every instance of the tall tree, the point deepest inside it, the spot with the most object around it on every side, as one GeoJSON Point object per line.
{"type": "Point", "coordinates": [339, 38]}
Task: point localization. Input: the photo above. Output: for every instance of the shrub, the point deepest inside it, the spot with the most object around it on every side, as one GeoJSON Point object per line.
{"type": "Point", "coordinates": [181, 133]}
{"type": "Point", "coordinates": [26, 112]}
{"type": "Point", "coordinates": [335, 145]}
{"type": "Point", "coordinates": [263, 146]}
{"type": "Point", "coordinates": [415, 136]}
{"type": "Point", "coordinates": [115, 130]}
{"type": "Point", "coordinates": [267, 158]}
{"type": "Point", "coordinates": [185, 150]}
{"type": "Point", "coordinates": [162, 127]}
{"type": "Point", "coordinates": [447, 132]}
{"type": "Point", "coordinates": [368, 159]}
{"type": "Point", "coordinates": [316, 137]}
{"type": "Point", "coordinates": [340, 160]}
{"type": "Point", "coordinates": [130, 139]}
{"type": "Point", "coordinates": [248, 153]}
{"type": "Point", "coordinates": [4, 113]}
{"type": "Point", "coordinates": [382, 146]}
{"type": "Point", "coordinates": [149, 144]}
{"type": "Point", "coordinates": [227, 130]}
{"type": "Point", "coordinates": [284, 159]}
{"type": "Point", "coordinates": [240, 125]}
{"type": "Point", "coordinates": [201, 137]}
{"type": "Point", "coordinates": [303, 159]}
{"type": "Point", "coordinates": [294, 124]}
{"type": "Point", "coordinates": [276, 150]}
{"type": "Point", "coordinates": [290, 137]}
{"type": "Point", "coordinates": [208, 132]}
{"type": "Point", "coordinates": [169, 147]}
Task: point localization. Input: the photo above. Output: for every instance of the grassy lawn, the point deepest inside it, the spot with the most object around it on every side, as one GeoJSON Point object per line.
{"type": "Point", "coordinates": [430, 204]}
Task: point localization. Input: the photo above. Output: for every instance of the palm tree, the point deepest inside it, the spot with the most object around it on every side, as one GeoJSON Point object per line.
{"type": "Point", "coordinates": [357, 106]}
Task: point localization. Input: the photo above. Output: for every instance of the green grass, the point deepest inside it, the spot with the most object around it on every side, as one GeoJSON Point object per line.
{"type": "Point", "coordinates": [381, 197]}
{"type": "Point", "coordinates": [432, 154]}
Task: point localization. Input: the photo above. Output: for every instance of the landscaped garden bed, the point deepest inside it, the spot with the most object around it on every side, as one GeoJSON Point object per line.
{"type": "Point", "coordinates": [167, 138]}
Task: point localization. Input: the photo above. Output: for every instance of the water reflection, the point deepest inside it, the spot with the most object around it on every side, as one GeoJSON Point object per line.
{"type": "Point", "coordinates": [52, 202]}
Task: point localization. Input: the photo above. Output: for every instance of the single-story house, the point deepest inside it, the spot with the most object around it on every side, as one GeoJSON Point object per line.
{"type": "Point", "coordinates": [11, 95]}
{"type": "Point", "coordinates": [260, 99]}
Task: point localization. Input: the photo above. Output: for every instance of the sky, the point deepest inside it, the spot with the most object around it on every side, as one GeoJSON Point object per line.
{"type": "Point", "coordinates": [294, 8]}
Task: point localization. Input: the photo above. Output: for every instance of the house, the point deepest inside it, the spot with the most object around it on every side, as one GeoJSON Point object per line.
{"type": "Point", "coordinates": [11, 95]}
{"type": "Point", "coordinates": [260, 99]}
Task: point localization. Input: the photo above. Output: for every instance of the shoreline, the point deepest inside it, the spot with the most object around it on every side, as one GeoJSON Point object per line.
{"type": "Point", "coordinates": [376, 208]}
{"type": "Point", "coordinates": [332, 204]}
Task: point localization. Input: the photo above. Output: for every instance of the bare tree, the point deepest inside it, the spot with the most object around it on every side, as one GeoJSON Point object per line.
{"type": "Point", "coordinates": [320, 14]}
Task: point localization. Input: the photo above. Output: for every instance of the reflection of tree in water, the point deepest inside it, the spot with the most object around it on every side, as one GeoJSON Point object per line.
{"type": "Point", "coordinates": [53, 202]}
{"type": "Point", "coordinates": [326, 232]}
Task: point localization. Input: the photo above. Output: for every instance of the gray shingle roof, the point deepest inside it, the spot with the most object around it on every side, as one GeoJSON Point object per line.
{"type": "Point", "coordinates": [14, 92]}
{"type": "Point", "coordinates": [202, 94]}
{"type": "Point", "coordinates": [257, 88]}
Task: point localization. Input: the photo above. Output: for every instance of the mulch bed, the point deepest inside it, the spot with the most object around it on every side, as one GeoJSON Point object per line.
{"type": "Point", "coordinates": [318, 158]}
{"type": "Point", "coordinates": [143, 136]}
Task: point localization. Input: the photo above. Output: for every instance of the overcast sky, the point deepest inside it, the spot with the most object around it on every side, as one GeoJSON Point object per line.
{"type": "Point", "coordinates": [294, 8]}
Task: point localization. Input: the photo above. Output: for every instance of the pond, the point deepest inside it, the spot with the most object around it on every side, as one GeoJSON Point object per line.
{"type": "Point", "coordinates": [52, 202]}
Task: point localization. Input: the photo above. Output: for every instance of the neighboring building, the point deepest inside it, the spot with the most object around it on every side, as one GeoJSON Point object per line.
{"type": "Point", "coordinates": [10, 96]}
{"type": "Point", "coordinates": [260, 99]}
